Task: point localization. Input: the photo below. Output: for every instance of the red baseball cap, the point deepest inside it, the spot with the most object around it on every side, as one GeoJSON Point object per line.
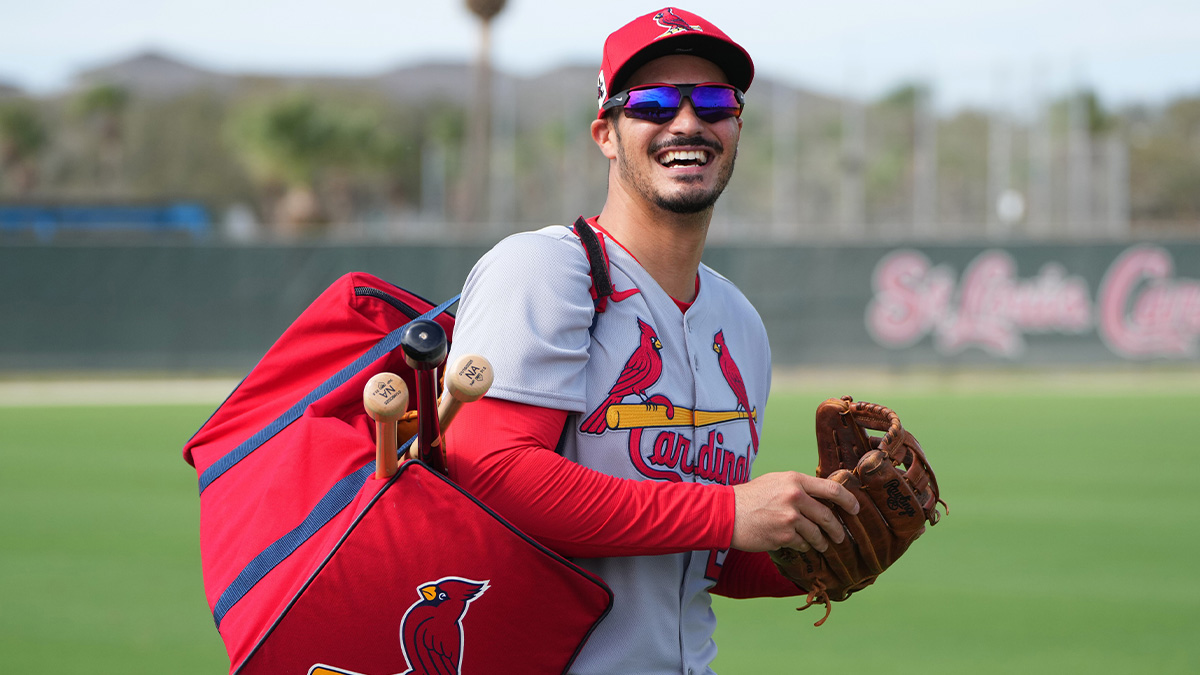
{"type": "Point", "coordinates": [669, 31]}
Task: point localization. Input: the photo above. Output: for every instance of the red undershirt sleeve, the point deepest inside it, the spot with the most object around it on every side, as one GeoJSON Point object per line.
{"type": "Point", "coordinates": [502, 452]}
{"type": "Point", "coordinates": [753, 575]}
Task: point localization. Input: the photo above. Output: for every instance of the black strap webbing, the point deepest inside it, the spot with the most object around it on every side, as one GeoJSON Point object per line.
{"type": "Point", "coordinates": [596, 258]}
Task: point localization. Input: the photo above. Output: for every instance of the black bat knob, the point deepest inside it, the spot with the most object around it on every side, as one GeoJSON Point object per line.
{"type": "Point", "coordinates": [424, 344]}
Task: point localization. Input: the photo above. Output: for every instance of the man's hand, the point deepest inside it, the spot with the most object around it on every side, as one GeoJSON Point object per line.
{"type": "Point", "coordinates": [779, 510]}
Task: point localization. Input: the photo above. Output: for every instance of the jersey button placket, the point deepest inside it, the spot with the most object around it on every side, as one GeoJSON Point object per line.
{"type": "Point", "coordinates": [689, 328]}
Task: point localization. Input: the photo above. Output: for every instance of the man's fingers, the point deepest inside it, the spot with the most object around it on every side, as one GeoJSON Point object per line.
{"type": "Point", "coordinates": [822, 488]}
{"type": "Point", "coordinates": [821, 517]}
{"type": "Point", "coordinates": [811, 533]}
{"type": "Point", "coordinates": [800, 544]}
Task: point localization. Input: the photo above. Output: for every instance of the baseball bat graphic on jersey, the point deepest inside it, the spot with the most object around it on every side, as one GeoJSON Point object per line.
{"type": "Point", "coordinates": [638, 416]}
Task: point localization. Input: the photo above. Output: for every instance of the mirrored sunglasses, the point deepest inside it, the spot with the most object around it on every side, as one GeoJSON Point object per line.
{"type": "Point", "coordinates": [660, 103]}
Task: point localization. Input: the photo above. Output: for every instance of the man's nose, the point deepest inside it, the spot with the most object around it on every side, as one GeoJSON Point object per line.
{"type": "Point", "coordinates": [686, 122]}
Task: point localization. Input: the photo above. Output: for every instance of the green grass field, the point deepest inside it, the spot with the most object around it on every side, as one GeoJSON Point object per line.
{"type": "Point", "coordinates": [1071, 545]}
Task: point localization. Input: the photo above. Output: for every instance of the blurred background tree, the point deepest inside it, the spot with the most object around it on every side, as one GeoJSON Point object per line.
{"type": "Point", "coordinates": [23, 138]}
{"type": "Point", "coordinates": [889, 166]}
{"type": "Point", "coordinates": [282, 143]}
{"type": "Point", "coordinates": [1165, 164]}
{"type": "Point", "coordinates": [306, 154]}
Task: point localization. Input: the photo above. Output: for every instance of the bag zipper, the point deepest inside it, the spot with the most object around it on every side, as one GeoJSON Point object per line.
{"type": "Point", "coordinates": [371, 292]}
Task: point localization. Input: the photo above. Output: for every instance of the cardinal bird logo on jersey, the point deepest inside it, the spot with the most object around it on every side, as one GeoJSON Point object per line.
{"type": "Point", "coordinates": [734, 377]}
{"type": "Point", "coordinates": [432, 632]}
{"type": "Point", "coordinates": [640, 373]}
{"type": "Point", "coordinates": [673, 22]}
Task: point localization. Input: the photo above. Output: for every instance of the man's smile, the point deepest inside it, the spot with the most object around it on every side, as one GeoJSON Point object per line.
{"type": "Point", "coordinates": [674, 157]}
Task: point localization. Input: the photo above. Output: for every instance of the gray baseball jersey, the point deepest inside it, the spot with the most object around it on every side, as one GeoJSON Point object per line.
{"type": "Point", "coordinates": [655, 394]}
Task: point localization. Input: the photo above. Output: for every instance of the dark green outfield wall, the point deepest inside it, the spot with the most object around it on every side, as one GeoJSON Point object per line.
{"type": "Point", "coordinates": [217, 308]}
{"type": "Point", "coordinates": [190, 307]}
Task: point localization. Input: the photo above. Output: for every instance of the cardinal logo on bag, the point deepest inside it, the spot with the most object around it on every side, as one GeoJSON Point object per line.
{"type": "Point", "coordinates": [431, 632]}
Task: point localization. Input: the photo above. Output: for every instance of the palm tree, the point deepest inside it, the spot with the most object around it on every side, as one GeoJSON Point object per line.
{"type": "Point", "coordinates": [23, 136]}
{"type": "Point", "coordinates": [479, 137]}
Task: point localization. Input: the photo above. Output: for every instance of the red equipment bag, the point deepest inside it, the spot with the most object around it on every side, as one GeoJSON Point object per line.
{"type": "Point", "coordinates": [312, 565]}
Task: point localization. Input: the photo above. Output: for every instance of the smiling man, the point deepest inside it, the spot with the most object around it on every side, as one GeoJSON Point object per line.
{"type": "Point", "coordinates": [630, 378]}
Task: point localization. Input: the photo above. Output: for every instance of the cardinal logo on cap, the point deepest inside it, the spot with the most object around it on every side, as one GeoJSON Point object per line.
{"type": "Point", "coordinates": [673, 23]}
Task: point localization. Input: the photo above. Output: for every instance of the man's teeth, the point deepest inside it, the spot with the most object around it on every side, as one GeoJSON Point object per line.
{"type": "Point", "coordinates": [684, 156]}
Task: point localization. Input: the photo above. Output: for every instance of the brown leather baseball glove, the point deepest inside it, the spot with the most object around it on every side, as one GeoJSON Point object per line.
{"type": "Point", "coordinates": [897, 494]}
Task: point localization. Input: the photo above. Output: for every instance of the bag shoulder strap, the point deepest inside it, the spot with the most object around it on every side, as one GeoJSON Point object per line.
{"type": "Point", "coordinates": [597, 256]}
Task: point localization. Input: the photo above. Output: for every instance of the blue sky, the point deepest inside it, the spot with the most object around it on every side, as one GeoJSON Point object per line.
{"type": "Point", "coordinates": [976, 51]}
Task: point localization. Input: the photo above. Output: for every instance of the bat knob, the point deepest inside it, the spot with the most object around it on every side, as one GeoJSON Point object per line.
{"type": "Point", "coordinates": [469, 378]}
{"type": "Point", "coordinates": [424, 344]}
{"type": "Point", "coordinates": [385, 397]}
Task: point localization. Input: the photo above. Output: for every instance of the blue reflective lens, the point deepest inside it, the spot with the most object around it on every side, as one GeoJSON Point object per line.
{"type": "Point", "coordinates": [660, 103]}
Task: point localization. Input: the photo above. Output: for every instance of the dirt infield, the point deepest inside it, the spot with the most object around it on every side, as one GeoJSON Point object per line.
{"type": "Point", "coordinates": [62, 389]}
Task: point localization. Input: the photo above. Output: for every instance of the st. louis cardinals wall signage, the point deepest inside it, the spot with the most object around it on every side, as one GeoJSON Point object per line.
{"type": "Point", "coordinates": [1141, 308]}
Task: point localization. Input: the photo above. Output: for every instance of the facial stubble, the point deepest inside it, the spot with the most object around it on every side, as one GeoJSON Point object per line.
{"type": "Point", "coordinates": [687, 201]}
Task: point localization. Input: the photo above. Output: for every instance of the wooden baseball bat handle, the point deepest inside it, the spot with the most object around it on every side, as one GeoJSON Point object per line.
{"type": "Point", "coordinates": [385, 398]}
{"type": "Point", "coordinates": [467, 380]}
{"type": "Point", "coordinates": [448, 407]}
{"type": "Point", "coordinates": [385, 448]}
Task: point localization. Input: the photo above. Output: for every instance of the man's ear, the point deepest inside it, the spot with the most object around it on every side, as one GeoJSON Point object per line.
{"type": "Point", "coordinates": [604, 133]}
